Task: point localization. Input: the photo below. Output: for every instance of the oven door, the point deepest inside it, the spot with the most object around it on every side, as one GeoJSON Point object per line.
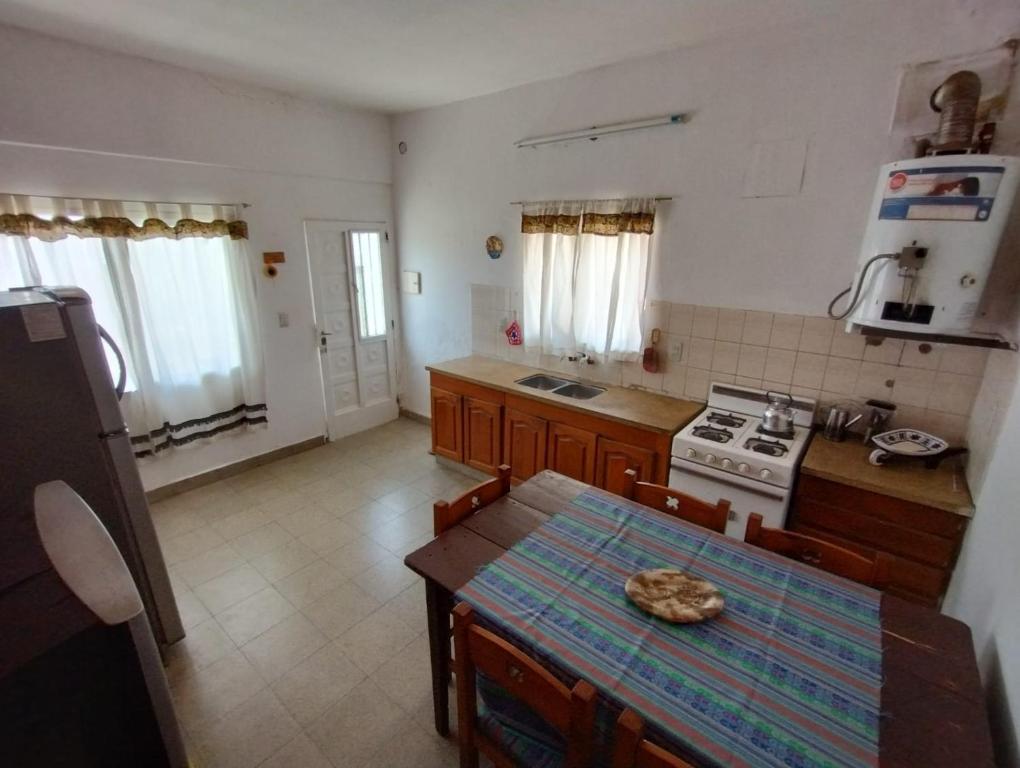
{"type": "Point", "coordinates": [744, 494]}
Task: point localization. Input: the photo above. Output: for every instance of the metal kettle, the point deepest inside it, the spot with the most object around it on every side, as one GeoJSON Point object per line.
{"type": "Point", "coordinates": [778, 417]}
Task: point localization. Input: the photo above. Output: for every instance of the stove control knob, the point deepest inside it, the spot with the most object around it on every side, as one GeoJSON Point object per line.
{"type": "Point", "coordinates": [765, 474]}
{"type": "Point", "coordinates": [710, 458]}
{"type": "Point", "coordinates": [691, 453]}
{"type": "Point", "coordinates": [726, 463]}
{"type": "Point", "coordinates": [743, 468]}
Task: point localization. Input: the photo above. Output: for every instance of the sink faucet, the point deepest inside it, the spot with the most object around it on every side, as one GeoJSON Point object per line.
{"type": "Point", "coordinates": [881, 412]}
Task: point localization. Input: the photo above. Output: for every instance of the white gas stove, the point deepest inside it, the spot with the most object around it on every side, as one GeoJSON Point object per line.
{"type": "Point", "coordinates": [726, 454]}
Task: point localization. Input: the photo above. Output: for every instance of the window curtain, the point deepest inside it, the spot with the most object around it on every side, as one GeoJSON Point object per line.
{"type": "Point", "coordinates": [585, 276]}
{"type": "Point", "coordinates": [174, 286]}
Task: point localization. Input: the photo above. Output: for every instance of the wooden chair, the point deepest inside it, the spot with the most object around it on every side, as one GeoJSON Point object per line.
{"type": "Point", "coordinates": [571, 712]}
{"type": "Point", "coordinates": [632, 750]}
{"type": "Point", "coordinates": [875, 572]}
{"type": "Point", "coordinates": [446, 514]}
{"type": "Point", "coordinates": [677, 504]}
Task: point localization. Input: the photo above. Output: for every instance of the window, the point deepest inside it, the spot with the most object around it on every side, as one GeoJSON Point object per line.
{"type": "Point", "coordinates": [366, 257]}
{"type": "Point", "coordinates": [177, 298]}
{"type": "Point", "coordinates": [585, 274]}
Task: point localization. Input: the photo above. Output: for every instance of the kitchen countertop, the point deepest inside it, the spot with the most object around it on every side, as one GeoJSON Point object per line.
{"type": "Point", "coordinates": [629, 406]}
{"type": "Point", "coordinates": [847, 462]}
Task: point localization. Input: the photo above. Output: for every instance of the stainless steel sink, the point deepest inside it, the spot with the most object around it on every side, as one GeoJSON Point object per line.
{"type": "Point", "coordinates": [578, 391]}
{"type": "Point", "coordinates": [541, 381]}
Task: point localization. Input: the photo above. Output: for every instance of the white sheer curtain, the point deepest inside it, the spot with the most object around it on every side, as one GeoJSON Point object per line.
{"type": "Point", "coordinates": [585, 276]}
{"type": "Point", "coordinates": [182, 309]}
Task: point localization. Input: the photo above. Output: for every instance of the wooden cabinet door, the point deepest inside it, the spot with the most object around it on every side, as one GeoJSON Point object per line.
{"type": "Point", "coordinates": [483, 434]}
{"type": "Point", "coordinates": [613, 458]}
{"type": "Point", "coordinates": [524, 444]}
{"type": "Point", "coordinates": [571, 452]}
{"type": "Point", "coordinates": [447, 425]}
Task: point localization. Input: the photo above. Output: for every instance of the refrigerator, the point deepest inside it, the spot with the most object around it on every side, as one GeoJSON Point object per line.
{"type": "Point", "coordinates": [60, 420]}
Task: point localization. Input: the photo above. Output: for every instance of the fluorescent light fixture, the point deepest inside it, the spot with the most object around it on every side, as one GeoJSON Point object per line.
{"type": "Point", "coordinates": [603, 130]}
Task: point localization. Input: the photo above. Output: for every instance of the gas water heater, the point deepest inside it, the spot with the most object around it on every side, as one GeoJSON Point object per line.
{"type": "Point", "coordinates": [933, 231]}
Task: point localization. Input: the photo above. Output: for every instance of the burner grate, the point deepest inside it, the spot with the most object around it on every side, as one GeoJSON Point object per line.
{"type": "Point", "coordinates": [768, 447]}
{"type": "Point", "coordinates": [725, 419]}
{"type": "Point", "coordinates": [715, 434]}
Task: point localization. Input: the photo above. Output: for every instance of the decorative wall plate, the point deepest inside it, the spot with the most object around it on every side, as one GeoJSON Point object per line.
{"type": "Point", "coordinates": [675, 596]}
{"type": "Point", "coordinates": [494, 246]}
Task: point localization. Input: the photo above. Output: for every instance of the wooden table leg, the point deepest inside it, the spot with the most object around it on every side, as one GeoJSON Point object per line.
{"type": "Point", "coordinates": [437, 602]}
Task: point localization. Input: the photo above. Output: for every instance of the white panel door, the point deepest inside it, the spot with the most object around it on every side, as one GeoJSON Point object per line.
{"type": "Point", "coordinates": [352, 290]}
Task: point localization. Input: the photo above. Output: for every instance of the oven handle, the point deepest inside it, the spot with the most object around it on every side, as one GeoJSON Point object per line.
{"type": "Point", "coordinates": [755, 486]}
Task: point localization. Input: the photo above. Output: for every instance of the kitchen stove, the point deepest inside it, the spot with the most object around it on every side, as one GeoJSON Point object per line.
{"type": "Point", "coordinates": [725, 453]}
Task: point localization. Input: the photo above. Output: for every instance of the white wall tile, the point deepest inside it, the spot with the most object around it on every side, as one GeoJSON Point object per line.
{"type": "Point", "coordinates": [706, 319]}
{"type": "Point", "coordinates": [954, 393]}
{"type": "Point", "coordinates": [850, 345]}
{"type": "Point", "coordinates": [730, 325]}
{"type": "Point", "coordinates": [886, 351]}
{"type": "Point", "coordinates": [752, 361]}
{"type": "Point", "coordinates": [681, 319]}
{"type": "Point", "coordinates": [809, 370]}
{"type": "Point", "coordinates": [747, 381]}
{"type": "Point", "coordinates": [786, 331]}
{"type": "Point", "coordinates": [967, 360]}
{"type": "Point", "coordinates": [871, 382]}
{"type": "Point", "coordinates": [841, 375]}
{"type": "Point", "coordinates": [675, 381]}
{"type": "Point", "coordinates": [727, 354]}
{"type": "Point", "coordinates": [816, 335]}
{"type": "Point", "coordinates": [696, 385]}
{"type": "Point", "coordinates": [779, 365]}
{"type": "Point", "coordinates": [913, 357]}
{"type": "Point", "coordinates": [701, 353]}
{"type": "Point", "coordinates": [757, 328]}
{"type": "Point", "coordinates": [913, 386]}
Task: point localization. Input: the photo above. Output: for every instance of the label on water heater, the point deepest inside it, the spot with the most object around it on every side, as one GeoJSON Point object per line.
{"type": "Point", "coordinates": [947, 193]}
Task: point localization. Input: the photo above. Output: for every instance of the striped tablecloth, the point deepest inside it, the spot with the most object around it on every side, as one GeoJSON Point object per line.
{"type": "Point", "coordinates": [788, 675]}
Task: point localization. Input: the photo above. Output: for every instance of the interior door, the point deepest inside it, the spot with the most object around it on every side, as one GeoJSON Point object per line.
{"type": "Point", "coordinates": [352, 289]}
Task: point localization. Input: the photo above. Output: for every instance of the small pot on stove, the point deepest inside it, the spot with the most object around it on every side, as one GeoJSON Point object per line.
{"type": "Point", "coordinates": [778, 417]}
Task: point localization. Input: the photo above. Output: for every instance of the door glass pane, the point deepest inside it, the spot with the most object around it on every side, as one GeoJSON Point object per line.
{"type": "Point", "coordinates": [366, 255]}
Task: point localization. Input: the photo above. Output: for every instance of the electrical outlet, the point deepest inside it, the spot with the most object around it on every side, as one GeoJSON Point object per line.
{"type": "Point", "coordinates": [283, 319]}
{"type": "Point", "coordinates": [676, 351]}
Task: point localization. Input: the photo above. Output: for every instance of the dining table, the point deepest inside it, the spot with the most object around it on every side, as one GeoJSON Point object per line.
{"type": "Point", "coordinates": [930, 702]}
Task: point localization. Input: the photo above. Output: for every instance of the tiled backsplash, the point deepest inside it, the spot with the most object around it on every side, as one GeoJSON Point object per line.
{"type": "Point", "coordinates": [811, 356]}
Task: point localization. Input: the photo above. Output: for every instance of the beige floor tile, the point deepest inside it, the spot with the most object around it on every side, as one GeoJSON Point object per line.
{"type": "Point", "coordinates": [417, 748]}
{"type": "Point", "coordinates": [192, 610]}
{"type": "Point", "coordinates": [307, 519]}
{"type": "Point", "coordinates": [265, 539]}
{"type": "Point", "coordinates": [203, 644]}
{"type": "Point", "coordinates": [232, 587]}
{"type": "Point", "coordinates": [282, 646]}
{"type": "Point", "coordinates": [386, 579]}
{"type": "Point", "coordinates": [370, 516]}
{"type": "Point", "coordinates": [409, 606]}
{"type": "Point", "coordinates": [358, 726]}
{"type": "Point", "coordinates": [404, 550]}
{"type": "Point", "coordinates": [337, 611]}
{"type": "Point", "coordinates": [283, 561]}
{"type": "Point", "coordinates": [299, 752]}
{"type": "Point", "coordinates": [331, 536]}
{"type": "Point", "coordinates": [242, 522]}
{"type": "Point", "coordinates": [208, 695]}
{"type": "Point", "coordinates": [343, 502]}
{"type": "Point", "coordinates": [318, 682]}
{"type": "Point", "coordinates": [190, 544]}
{"type": "Point", "coordinates": [287, 504]}
{"type": "Point", "coordinates": [401, 530]}
{"type": "Point", "coordinates": [325, 487]}
{"type": "Point", "coordinates": [308, 584]}
{"type": "Point", "coordinates": [248, 735]}
{"type": "Point", "coordinates": [356, 557]}
{"type": "Point", "coordinates": [406, 676]}
{"type": "Point", "coordinates": [208, 565]}
{"type": "Point", "coordinates": [254, 615]}
{"type": "Point", "coordinates": [173, 522]}
{"type": "Point", "coordinates": [374, 640]}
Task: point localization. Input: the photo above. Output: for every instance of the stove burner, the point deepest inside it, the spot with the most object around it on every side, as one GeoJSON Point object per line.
{"type": "Point", "coordinates": [771, 433]}
{"type": "Point", "coordinates": [768, 447]}
{"type": "Point", "coordinates": [714, 434]}
{"type": "Point", "coordinates": [725, 419]}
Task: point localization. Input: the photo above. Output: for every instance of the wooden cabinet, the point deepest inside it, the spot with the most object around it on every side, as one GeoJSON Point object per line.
{"type": "Point", "coordinates": [923, 541]}
{"type": "Point", "coordinates": [571, 452]}
{"type": "Point", "coordinates": [613, 458]}
{"type": "Point", "coordinates": [524, 444]}
{"type": "Point", "coordinates": [483, 434]}
{"type": "Point", "coordinates": [447, 425]}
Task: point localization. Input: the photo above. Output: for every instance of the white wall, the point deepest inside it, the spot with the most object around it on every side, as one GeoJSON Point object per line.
{"type": "Point", "coordinates": [833, 86]}
{"type": "Point", "coordinates": [181, 136]}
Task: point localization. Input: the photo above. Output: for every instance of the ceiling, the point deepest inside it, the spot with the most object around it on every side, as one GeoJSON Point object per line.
{"type": "Point", "coordinates": [398, 55]}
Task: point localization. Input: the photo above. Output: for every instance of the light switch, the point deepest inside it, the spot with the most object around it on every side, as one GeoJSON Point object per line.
{"type": "Point", "coordinates": [284, 319]}
{"type": "Point", "coordinates": [410, 282]}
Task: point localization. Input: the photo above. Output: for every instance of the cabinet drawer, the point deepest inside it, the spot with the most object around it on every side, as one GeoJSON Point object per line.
{"type": "Point", "coordinates": [916, 517]}
{"type": "Point", "coordinates": [908, 579]}
{"type": "Point", "coordinates": [876, 532]}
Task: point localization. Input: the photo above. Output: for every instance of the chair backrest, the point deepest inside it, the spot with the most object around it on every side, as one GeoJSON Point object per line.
{"type": "Point", "coordinates": [446, 514]}
{"type": "Point", "coordinates": [571, 712]}
{"type": "Point", "coordinates": [677, 504]}
{"type": "Point", "coordinates": [808, 549]}
{"type": "Point", "coordinates": [632, 750]}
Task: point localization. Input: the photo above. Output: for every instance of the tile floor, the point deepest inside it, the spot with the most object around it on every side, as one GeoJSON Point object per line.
{"type": "Point", "coordinates": [306, 644]}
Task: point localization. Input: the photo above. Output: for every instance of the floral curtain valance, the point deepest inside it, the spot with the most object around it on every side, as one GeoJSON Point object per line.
{"type": "Point", "coordinates": [27, 225]}
{"type": "Point", "coordinates": [54, 218]}
{"type": "Point", "coordinates": [594, 217]}
{"type": "Point", "coordinates": [635, 222]}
